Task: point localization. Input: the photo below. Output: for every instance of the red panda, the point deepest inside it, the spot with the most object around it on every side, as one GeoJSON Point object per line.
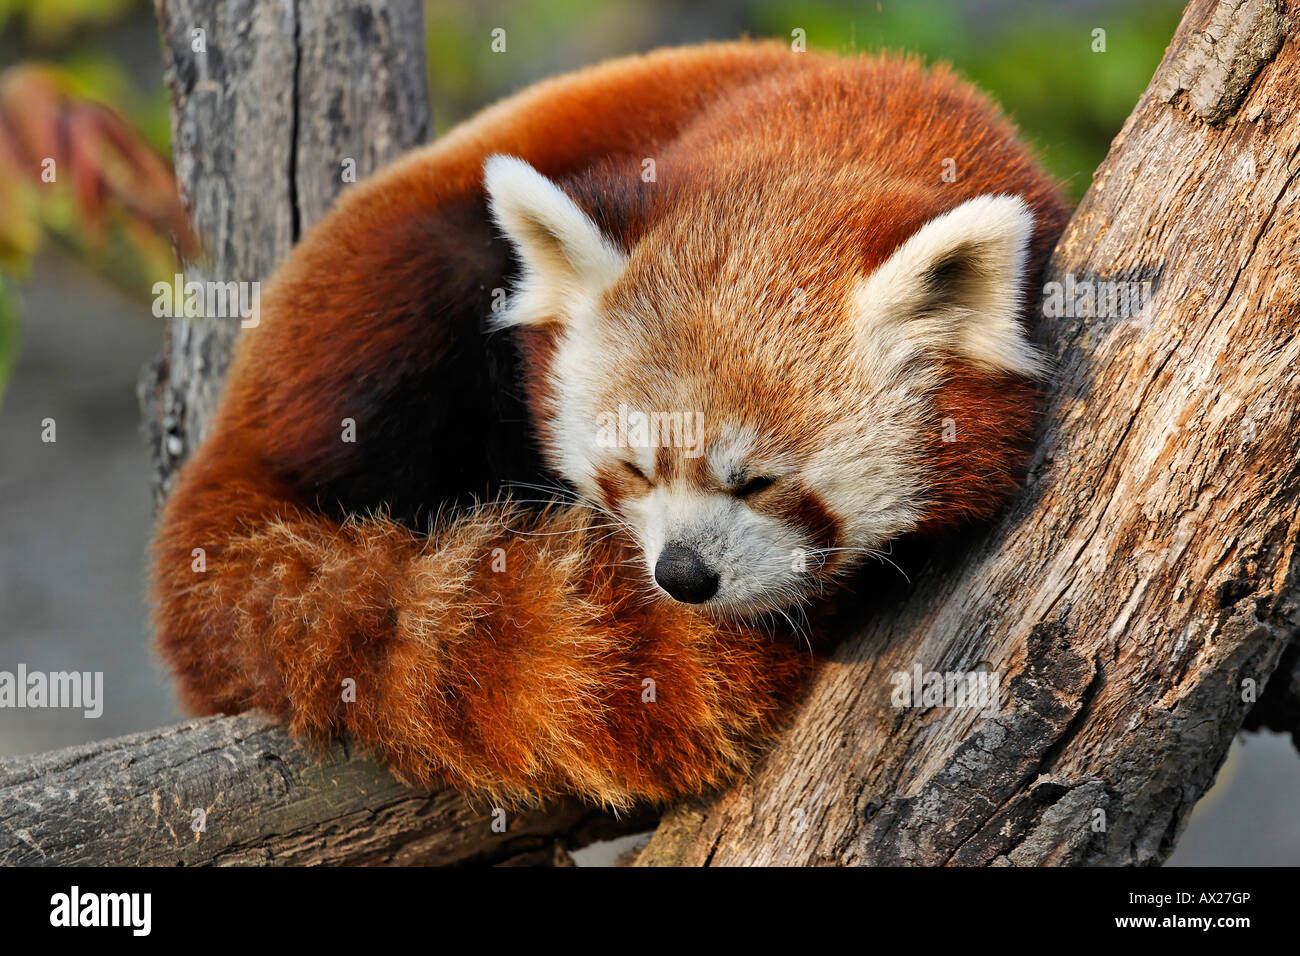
{"type": "Point", "coordinates": [754, 254]}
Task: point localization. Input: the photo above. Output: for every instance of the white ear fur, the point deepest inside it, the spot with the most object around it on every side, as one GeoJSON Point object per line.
{"type": "Point", "coordinates": [567, 261]}
{"type": "Point", "coordinates": [955, 284]}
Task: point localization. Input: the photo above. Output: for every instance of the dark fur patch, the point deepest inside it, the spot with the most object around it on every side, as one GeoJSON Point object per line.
{"type": "Point", "coordinates": [806, 511]}
{"type": "Point", "coordinates": [439, 418]}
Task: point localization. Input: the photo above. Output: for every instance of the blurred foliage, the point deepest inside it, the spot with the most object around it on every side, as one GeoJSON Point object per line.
{"type": "Point", "coordinates": [45, 22]}
{"type": "Point", "coordinates": [82, 151]}
{"type": "Point", "coordinates": [1036, 59]}
{"type": "Point", "coordinates": [8, 330]}
{"type": "Point", "coordinates": [95, 44]}
{"type": "Point", "coordinates": [76, 169]}
{"type": "Point", "coordinates": [1034, 56]}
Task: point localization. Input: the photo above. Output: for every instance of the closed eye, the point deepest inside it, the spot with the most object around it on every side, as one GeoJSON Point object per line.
{"type": "Point", "coordinates": [754, 486]}
{"type": "Point", "coordinates": [637, 473]}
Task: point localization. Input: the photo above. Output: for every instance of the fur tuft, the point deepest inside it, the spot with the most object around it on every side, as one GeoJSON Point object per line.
{"type": "Point", "coordinates": [567, 261]}
{"type": "Point", "coordinates": [955, 285]}
{"type": "Point", "coordinates": [503, 653]}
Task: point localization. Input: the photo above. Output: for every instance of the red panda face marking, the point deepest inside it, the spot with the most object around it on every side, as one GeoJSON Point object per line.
{"type": "Point", "coordinates": [753, 395]}
{"type": "Point", "coordinates": [715, 524]}
{"type": "Point", "coordinates": [756, 555]}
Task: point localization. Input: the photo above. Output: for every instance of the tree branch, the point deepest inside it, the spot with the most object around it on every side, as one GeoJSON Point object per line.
{"type": "Point", "coordinates": [238, 791]}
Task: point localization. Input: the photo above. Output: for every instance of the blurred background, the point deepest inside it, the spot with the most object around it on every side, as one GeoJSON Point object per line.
{"type": "Point", "coordinates": [81, 245]}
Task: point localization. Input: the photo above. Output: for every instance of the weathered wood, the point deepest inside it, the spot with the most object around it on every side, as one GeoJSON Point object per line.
{"type": "Point", "coordinates": [237, 791]}
{"type": "Point", "coordinates": [1144, 584]}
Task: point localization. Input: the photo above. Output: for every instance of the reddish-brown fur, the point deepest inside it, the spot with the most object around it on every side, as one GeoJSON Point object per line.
{"type": "Point", "coordinates": [323, 563]}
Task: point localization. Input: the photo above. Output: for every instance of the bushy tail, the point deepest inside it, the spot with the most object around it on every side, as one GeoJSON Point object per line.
{"type": "Point", "coordinates": [510, 653]}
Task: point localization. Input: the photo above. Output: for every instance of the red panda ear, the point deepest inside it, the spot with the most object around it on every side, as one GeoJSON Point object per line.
{"type": "Point", "coordinates": [956, 285]}
{"type": "Point", "coordinates": [567, 261]}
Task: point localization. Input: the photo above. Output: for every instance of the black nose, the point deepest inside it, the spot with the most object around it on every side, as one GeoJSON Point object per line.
{"type": "Point", "coordinates": [683, 574]}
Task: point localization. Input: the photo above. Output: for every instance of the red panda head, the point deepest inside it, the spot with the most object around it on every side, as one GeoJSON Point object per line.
{"type": "Point", "coordinates": [759, 387]}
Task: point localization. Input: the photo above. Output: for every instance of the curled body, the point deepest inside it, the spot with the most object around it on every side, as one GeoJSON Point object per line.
{"type": "Point", "coordinates": [727, 300]}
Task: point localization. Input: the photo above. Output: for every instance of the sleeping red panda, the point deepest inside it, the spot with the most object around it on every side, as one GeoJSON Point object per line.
{"type": "Point", "coordinates": [757, 253]}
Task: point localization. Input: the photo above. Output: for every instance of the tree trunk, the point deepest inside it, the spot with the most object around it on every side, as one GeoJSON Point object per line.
{"type": "Point", "coordinates": [1139, 594]}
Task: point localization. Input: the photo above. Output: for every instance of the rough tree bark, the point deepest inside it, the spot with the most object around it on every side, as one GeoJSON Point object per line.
{"type": "Point", "coordinates": [1134, 599]}
{"type": "Point", "coordinates": [1144, 585]}
{"type": "Point", "coordinates": [234, 791]}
